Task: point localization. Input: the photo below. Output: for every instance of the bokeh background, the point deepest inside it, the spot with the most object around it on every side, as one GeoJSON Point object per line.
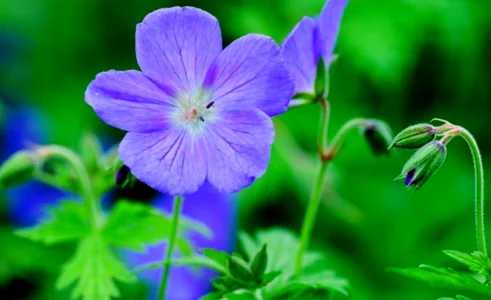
{"type": "Point", "coordinates": [403, 61]}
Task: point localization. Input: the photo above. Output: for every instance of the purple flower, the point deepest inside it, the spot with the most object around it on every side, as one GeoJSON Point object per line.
{"type": "Point", "coordinates": [309, 41]}
{"type": "Point", "coordinates": [196, 112]}
{"type": "Point", "coordinates": [217, 212]}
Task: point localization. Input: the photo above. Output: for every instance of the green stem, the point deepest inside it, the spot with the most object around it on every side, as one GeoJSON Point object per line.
{"type": "Point", "coordinates": [310, 216]}
{"type": "Point", "coordinates": [83, 178]}
{"type": "Point", "coordinates": [170, 248]}
{"type": "Point", "coordinates": [324, 125]}
{"type": "Point", "coordinates": [338, 140]}
{"type": "Point", "coordinates": [479, 193]}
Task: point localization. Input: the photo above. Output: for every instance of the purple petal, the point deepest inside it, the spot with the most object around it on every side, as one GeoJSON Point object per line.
{"type": "Point", "coordinates": [171, 161]}
{"type": "Point", "coordinates": [410, 177]}
{"type": "Point", "coordinates": [301, 53]}
{"type": "Point", "coordinates": [250, 73]}
{"type": "Point", "coordinates": [130, 101]}
{"type": "Point", "coordinates": [329, 22]}
{"type": "Point", "coordinates": [176, 46]}
{"type": "Point", "coordinates": [238, 148]}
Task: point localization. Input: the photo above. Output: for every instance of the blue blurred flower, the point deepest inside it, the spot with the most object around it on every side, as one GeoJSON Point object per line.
{"type": "Point", "coordinates": [217, 212]}
{"type": "Point", "coordinates": [26, 203]}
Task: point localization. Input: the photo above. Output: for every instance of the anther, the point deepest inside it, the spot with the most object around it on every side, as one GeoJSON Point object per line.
{"type": "Point", "coordinates": [201, 118]}
{"type": "Point", "coordinates": [210, 104]}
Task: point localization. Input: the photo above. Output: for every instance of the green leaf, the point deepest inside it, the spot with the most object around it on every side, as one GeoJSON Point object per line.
{"type": "Point", "coordinates": [459, 297]}
{"type": "Point", "coordinates": [444, 278]}
{"type": "Point", "coordinates": [476, 261]}
{"type": "Point", "coordinates": [93, 268]}
{"type": "Point", "coordinates": [218, 257]}
{"type": "Point", "coordinates": [68, 222]}
{"type": "Point", "coordinates": [135, 225]}
{"type": "Point", "coordinates": [241, 296]}
{"type": "Point", "coordinates": [238, 269]}
{"type": "Point", "coordinates": [268, 277]}
{"type": "Point", "coordinates": [259, 262]}
{"type": "Point", "coordinates": [320, 79]}
{"type": "Point", "coordinates": [189, 224]}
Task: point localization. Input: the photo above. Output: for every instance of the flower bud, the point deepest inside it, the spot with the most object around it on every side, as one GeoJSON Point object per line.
{"type": "Point", "coordinates": [423, 164]}
{"type": "Point", "coordinates": [378, 136]}
{"type": "Point", "coordinates": [18, 169]}
{"type": "Point", "coordinates": [91, 152]}
{"type": "Point", "coordinates": [124, 177]}
{"type": "Point", "coordinates": [414, 136]}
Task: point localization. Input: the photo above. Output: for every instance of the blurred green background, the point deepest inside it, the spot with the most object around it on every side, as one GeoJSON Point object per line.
{"type": "Point", "coordinates": [403, 61]}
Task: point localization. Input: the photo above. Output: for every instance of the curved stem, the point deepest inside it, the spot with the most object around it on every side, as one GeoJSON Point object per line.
{"type": "Point", "coordinates": [479, 189]}
{"type": "Point", "coordinates": [338, 140]}
{"type": "Point", "coordinates": [83, 177]}
{"type": "Point", "coordinates": [170, 248]}
{"type": "Point", "coordinates": [310, 216]}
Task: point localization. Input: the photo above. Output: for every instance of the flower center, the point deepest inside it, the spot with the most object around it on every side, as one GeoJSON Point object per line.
{"type": "Point", "coordinates": [194, 111]}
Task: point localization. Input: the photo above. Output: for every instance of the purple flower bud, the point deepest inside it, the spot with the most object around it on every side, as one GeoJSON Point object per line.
{"type": "Point", "coordinates": [122, 175]}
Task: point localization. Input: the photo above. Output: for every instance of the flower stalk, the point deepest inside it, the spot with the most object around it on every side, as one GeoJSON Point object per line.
{"type": "Point", "coordinates": [172, 242]}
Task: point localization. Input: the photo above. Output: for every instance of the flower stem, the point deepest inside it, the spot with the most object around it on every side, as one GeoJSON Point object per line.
{"type": "Point", "coordinates": [170, 248]}
{"type": "Point", "coordinates": [310, 216]}
{"type": "Point", "coordinates": [479, 193]}
{"type": "Point", "coordinates": [338, 140]}
{"type": "Point", "coordinates": [83, 178]}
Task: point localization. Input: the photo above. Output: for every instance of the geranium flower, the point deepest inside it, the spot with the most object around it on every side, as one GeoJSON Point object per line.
{"type": "Point", "coordinates": [195, 112]}
{"type": "Point", "coordinates": [310, 40]}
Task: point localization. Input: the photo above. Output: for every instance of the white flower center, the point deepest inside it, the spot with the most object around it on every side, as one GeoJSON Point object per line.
{"type": "Point", "coordinates": [194, 111]}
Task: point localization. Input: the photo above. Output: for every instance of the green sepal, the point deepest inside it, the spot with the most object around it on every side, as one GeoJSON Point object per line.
{"type": "Point", "coordinates": [414, 136]}
{"type": "Point", "coordinates": [238, 269]}
{"type": "Point", "coordinates": [320, 83]}
{"type": "Point", "coordinates": [91, 153]}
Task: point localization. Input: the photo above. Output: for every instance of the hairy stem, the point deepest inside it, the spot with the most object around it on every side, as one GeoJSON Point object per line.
{"type": "Point", "coordinates": [479, 189]}
{"type": "Point", "coordinates": [83, 178]}
{"type": "Point", "coordinates": [170, 248]}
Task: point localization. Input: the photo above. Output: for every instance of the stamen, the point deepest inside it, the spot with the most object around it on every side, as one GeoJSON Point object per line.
{"type": "Point", "coordinates": [210, 105]}
{"type": "Point", "coordinates": [201, 118]}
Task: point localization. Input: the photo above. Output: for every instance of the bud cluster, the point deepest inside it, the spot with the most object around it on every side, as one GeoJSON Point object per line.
{"type": "Point", "coordinates": [431, 152]}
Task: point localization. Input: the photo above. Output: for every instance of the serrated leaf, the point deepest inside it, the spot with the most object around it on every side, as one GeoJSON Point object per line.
{"type": "Point", "coordinates": [68, 222]}
{"type": "Point", "coordinates": [238, 269]}
{"type": "Point", "coordinates": [135, 225]}
{"type": "Point", "coordinates": [464, 258]}
{"type": "Point", "coordinates": [259, 262]}
{"type": "Point", "coordinates": [444, 278]}
{"type": "Point", "coordinates": [94, 269]}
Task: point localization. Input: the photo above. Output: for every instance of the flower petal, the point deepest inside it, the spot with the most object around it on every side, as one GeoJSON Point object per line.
{"type": "Point", "coordinates": [170, 161]}
{"type": "Point", "coordinates": [130, 101]}
{"type": "Point", "coordinates": [238, 148]}
{"type": "Point", "coordinates": [175, 46]}
{"type": "Point", "coordinates": [329, 22]}
{"type": "Point", "coordinates": [250, 73]}
{"type": "Point", "coordinates": [301, 53]}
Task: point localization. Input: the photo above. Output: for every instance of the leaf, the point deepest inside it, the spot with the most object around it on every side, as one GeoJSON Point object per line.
{"type": "Point", "coordinates": [241, 296]}
{"type": "Point", "coordinates": [68, 222]}
{"type": "Point", "coordinates": [238, 269]}
{"type": "Point", "coordinates": [198, 227]}
{"type": "Point", "coordinates": [135, 225]}
{"type": "Point", "coordinates": [218, 257]}
{"type": "Point", "coordinates": [459, 297]}
{"type": "Point", "coordinates": [476, 261]}
{"type": "Point", "coordinates": [268, 277]}
{"type": "Point", "coordinates": [444, 278]}
{"type": "Point", "coordinates": [259, 262]}
{"type": "Point", "coordinates": [93, 268]}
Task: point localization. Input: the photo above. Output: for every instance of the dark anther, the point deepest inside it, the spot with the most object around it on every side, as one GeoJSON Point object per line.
{"type": "Point", "coordinates": [210, 104]}
{"type": "Point", "coordinates": [201, 118]}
